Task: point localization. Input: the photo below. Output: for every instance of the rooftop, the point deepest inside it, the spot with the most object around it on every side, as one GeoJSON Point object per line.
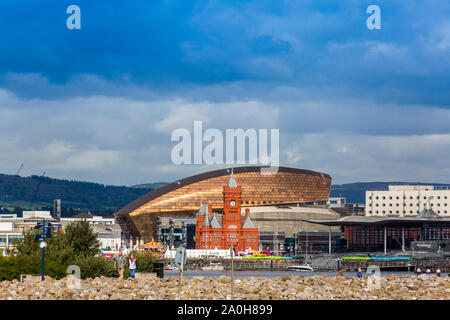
{"type": "Point", "coordinates": [381, 221]}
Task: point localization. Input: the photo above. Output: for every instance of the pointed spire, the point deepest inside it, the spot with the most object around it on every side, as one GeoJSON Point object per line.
{"type": "Point", "coordinates": [215, 223]}
{"type": "Point", "coordinates": [232, 182]}
{"type": "Point", "coordinates": [206, 222]}
{"type": "Point", "coordinates": [203, 210]}
{"type": "Point", "coordinates": [248, 224]}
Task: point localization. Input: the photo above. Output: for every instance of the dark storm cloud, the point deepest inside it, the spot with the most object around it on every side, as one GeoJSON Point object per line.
{"type": "Point", "coordinates": [100, 103]}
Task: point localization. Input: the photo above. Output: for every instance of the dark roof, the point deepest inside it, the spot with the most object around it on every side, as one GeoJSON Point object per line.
{"type": "Point", "coordinates": [84, 214]}
{"type": "Point", "coordinates": [380, 221]}
{"type": "Point", "coordinates": [200, 177]}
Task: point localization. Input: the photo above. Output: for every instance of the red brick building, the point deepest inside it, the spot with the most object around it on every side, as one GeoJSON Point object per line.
{"type": "Point", "coordinates": [214, 231]}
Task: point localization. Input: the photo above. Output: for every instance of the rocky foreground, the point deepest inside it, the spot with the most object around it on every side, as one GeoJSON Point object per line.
{"type": "Point", "coordinates": [281, 288]}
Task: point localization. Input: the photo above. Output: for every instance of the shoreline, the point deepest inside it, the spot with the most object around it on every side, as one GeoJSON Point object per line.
{"type": "Point", "coordinates": [282, 287]}
{"type": "Point", "coordinates": [276, 273]}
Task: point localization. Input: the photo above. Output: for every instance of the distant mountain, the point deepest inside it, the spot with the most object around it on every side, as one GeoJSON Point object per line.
{"type": "Point", "coordinates": [356, 192]}
{"type": "Point", "coordinates": [155, 185]}
{"type": "Point", "coordinates": [38, 191]}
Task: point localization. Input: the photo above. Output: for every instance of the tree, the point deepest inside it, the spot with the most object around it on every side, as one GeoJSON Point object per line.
{"type": "Point", "coordinates": [57, 249]}
{"type": "Point", "coordinates": [78, 239]}
{"type": "Point", "coordinates": [80, 236]}
{"type": "Point", "coordinates": [77, 244]}
{"type": "Point", "coordinates": [27, 246]}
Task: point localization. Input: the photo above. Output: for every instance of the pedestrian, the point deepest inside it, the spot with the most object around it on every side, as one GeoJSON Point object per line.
{"type": "Point", "coordinates": [120, 261]}
{"type": "Point", "coordinates": [359, 273]}
{"type": "Point", "coordinates": [132, 265]}
{"type": "Point", "coordinates": [341, 272]}
{"type": "Point", "coordinates": [428, 270]}
{"type": "Point", "coordinates": [418, 270]}
{"type": "Point", "coordinates": [438, 272]}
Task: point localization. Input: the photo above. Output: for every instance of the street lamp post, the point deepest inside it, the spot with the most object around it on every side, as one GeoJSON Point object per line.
{"type": "Point", "coordinates": [46, 233]}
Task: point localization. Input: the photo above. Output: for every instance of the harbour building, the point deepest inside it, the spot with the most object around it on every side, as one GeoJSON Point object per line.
{"type": "Point", "coordinates": [408, 201]}
{"type": "Point", "coordinates": [277, 202]}
{"type": "Point", "coordinates": [232, 228]}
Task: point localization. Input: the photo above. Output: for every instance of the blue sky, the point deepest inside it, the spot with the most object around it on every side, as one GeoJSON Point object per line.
{"type": "Point", "coordinates": [100, 103]}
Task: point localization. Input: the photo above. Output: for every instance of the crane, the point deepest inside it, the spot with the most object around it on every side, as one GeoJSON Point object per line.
{"type": "Point", "coordinates": [13, 182]}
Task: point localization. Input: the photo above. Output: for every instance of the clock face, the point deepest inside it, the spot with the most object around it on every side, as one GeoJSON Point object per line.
{"type": "Point", "coordinates": [232, 203]}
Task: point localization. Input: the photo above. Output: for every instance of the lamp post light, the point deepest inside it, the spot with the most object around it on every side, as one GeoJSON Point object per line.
{"type": "Point", "coordinates": [46, 233]}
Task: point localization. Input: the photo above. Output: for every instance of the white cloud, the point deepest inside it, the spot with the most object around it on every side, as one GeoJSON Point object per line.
{"type": "Point", "coordinates": [438, 38]}
{"type": "Point", "coordinates": [388, 50]}
{"type": "Point", "coordinates": [119, 140]}
{"type": "Point", "coordinates": [373, 158]}
{"type": "Point", "coordinates": [88, 160]}
{"type": "Point", "coordinates": [221, 115]}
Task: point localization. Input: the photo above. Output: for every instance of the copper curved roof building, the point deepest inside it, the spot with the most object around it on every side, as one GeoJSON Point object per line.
{"type": "Point", "coordinates": [182, 198]}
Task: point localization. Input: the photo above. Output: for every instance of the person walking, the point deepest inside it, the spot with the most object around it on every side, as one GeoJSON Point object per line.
{"type": "Point", "coordinates": [359, 273]}
{"type": "Point", "coordinates": [438, 272]}
{"type": "Point", "coordinates": [341, 272]}
{"type": "Point", "coordinates": [120, 262]}
{"type": "Point", "coordinates": [132, 265]}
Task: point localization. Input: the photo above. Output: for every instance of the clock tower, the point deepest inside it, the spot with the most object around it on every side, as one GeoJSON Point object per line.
{"type": "Point", "coordinates": [231, 228]}
{"type": "Point", "coordinates": [232, 201]}
{"type": "Point", "coordinates": [232, 218]}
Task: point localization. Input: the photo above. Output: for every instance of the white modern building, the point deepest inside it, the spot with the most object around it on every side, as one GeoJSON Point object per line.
{"type": "Point", "coordinates": [336, 202]}
{"type": "Point", "coordinates": [8, 233]}
{"type": "Point", "coordinates": [91, 220]}
{"type": "Point", "coordinates": [37, 215]}
{"type": "Point", "coordinates": [13, 227]}
{"type": "Point", "coordinates": [108, 232]}
{"type": "Point", "coordinates": [407, 201]}
{"type": "Point", "coordinates": [109, 236]}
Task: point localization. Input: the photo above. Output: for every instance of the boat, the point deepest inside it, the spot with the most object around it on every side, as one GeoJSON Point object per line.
{"type": "Point", "coordinates": [171, 267]}
{"type": "Point", "coordinates": [301, 267]}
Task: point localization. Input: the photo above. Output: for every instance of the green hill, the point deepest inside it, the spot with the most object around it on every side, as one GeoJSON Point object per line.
{"type": "Point", "coordinates": [38, 192]}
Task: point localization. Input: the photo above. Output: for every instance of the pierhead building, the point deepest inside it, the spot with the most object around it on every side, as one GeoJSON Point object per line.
{"type": "Point", "coordinates": [214, 231]}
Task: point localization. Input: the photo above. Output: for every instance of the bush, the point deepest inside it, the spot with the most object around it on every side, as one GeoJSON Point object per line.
{"type": "Point", "coordinates": [77, 245]}
{"type": "Point", "coordinates": [12, 267]}
{"type": "Point", "coordinates": [78, 239]}
{"type": "Point", "coordinates": [92, 267]}
{"type": "Point", "coordinates": [9, 268]}
{"type": "Point", "coordinates": [145, 262]}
